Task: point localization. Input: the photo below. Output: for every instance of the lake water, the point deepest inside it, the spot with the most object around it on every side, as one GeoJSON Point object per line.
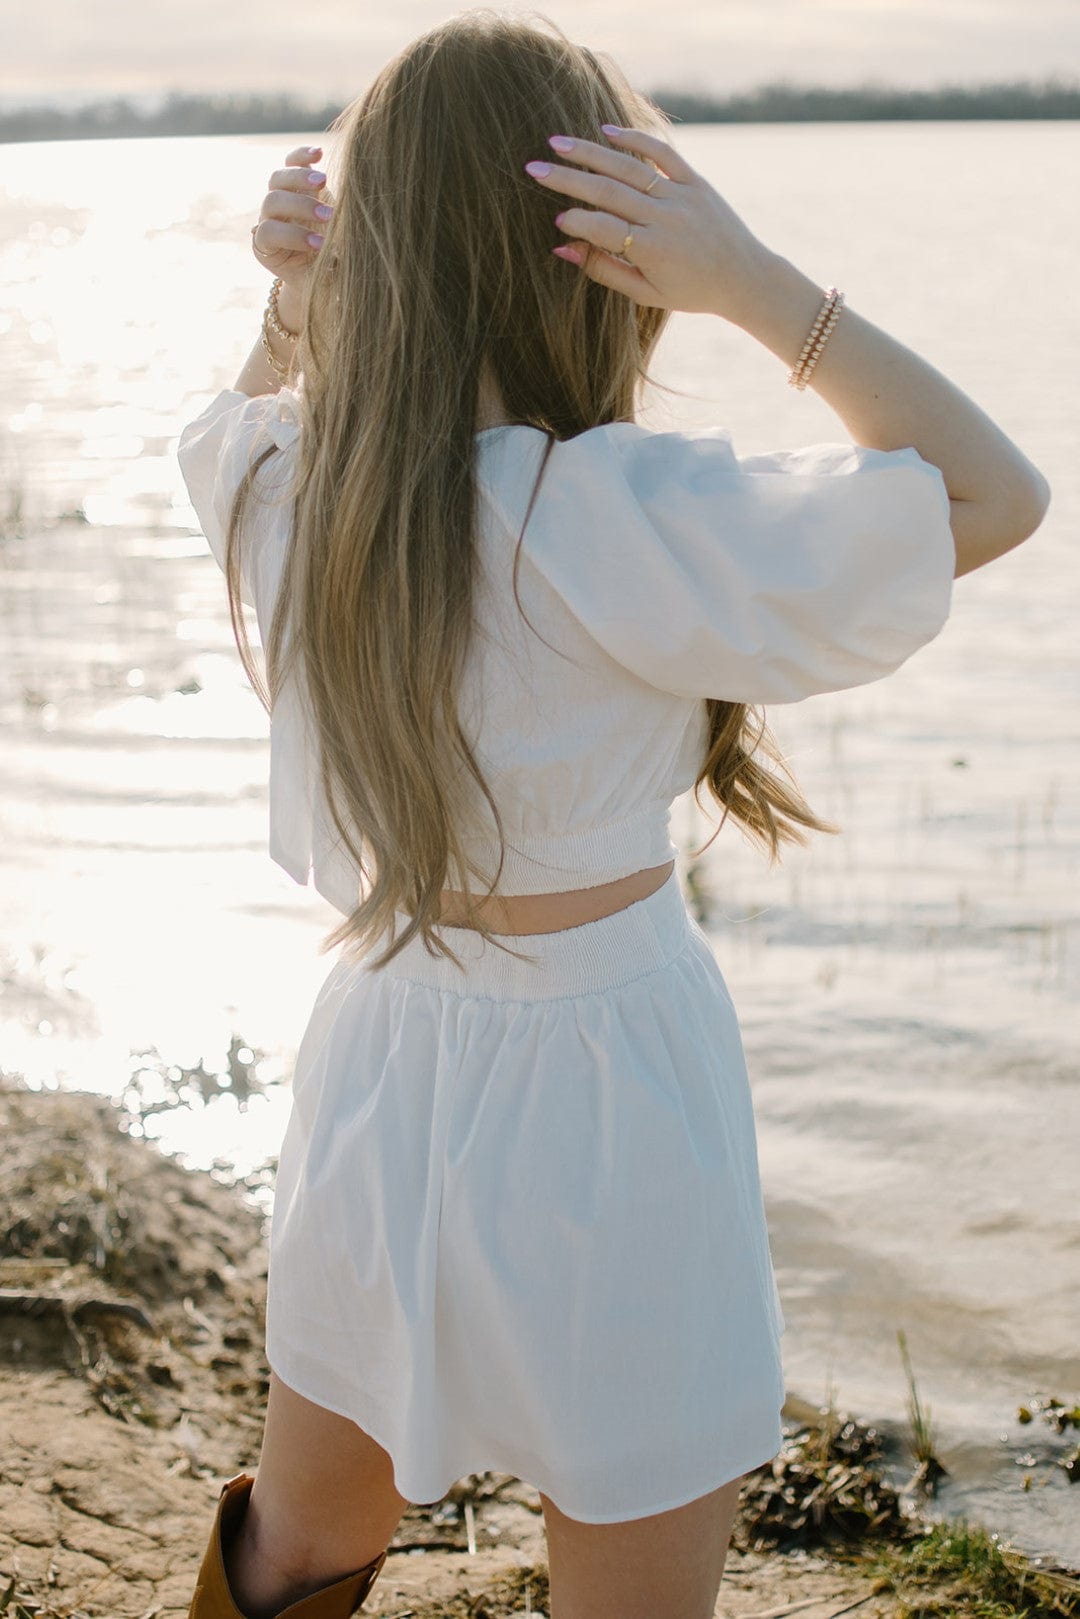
{"type": "Point", "coordinates": [907, 992]}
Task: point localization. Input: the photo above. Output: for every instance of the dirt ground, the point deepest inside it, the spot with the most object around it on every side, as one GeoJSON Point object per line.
{"type": "Point", "coordinates": [104, 1518]}
{"type": "Point", "coordinates": [132, 1383]}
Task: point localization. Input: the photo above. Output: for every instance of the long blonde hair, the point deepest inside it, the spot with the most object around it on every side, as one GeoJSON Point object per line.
{"type": "Point", "coordinates": [437, 258]}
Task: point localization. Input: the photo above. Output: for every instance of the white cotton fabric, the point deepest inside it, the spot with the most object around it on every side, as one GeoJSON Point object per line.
{"type": "Point", "coordinates": [663, 569]}
{"type": "Point", "coordinates": [518, 1221]}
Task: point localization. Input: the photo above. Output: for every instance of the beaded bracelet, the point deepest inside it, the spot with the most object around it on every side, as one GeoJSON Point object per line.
{"type": "Point", "coordinates": [272, 323]}
{"type": "Point", "coordinates": [820, 332]}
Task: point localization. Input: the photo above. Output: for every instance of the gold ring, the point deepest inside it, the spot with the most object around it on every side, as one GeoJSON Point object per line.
{"type": "Point", "coordinates": [626, 244]}
{"type": "Point", "coordinates": [651, 183]}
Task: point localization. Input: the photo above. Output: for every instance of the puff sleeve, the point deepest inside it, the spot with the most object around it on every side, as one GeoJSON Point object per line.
{"type": "Point", "coordinates": [755, 578]}
{"type": "Point", "coordinates": [215, 451]}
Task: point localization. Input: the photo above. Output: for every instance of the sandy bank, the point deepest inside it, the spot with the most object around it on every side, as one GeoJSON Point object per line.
{"type": "Point", "coordinates": [132, 1382]}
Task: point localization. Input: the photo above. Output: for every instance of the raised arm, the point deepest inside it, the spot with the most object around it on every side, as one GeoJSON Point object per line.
{"type": "Point", "coordinates": [257, 375]}
{"type": "Point", "coordinates": [888, 397]}
{"type": "Point", "coordinates": [655, 229]}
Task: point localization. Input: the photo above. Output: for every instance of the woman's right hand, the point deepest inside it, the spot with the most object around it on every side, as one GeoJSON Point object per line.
{"type": "Point", "coordinates": [690, 250]}
{"type": "Point", "coordinates": [293, 218]}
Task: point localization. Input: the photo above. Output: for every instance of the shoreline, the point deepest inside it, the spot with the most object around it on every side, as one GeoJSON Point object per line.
{"type": "Point", "coordinates": [778, 101]}
{"type": "Point", "coordinates": [133, 1380]}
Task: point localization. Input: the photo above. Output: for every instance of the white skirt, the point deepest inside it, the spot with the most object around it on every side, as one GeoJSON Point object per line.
{"type": "Point", "coordinates": [518, 1221]}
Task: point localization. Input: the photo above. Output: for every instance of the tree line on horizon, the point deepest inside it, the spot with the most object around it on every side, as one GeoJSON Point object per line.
{"type": "Point", "coordinates": [779, 102]}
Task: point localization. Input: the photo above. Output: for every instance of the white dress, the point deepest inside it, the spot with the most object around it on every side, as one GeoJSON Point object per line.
{"type": "Point", "coordinates": [518, 1221]}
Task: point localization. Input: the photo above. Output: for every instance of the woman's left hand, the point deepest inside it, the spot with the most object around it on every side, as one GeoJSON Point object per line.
{"type": "Point", "coordinates": [293, 218]}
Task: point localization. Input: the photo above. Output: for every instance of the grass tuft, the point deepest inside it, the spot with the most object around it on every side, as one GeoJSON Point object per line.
{"type": "Point", "coordinates": [955, 1571]}
{"type": "Point", "coordinates": [921, 1431]}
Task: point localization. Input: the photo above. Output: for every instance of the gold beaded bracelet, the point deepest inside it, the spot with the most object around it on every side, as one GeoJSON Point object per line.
{"type": "Point", "coordinates": [820, 332]}
{"type": "Point", "coordinates": [272, 323]}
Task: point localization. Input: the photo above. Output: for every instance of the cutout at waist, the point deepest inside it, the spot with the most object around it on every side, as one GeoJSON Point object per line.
{"type": "Point", "coordinates": [551, 913]}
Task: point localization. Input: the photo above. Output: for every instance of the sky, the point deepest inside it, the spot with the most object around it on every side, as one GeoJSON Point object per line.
{"type": "Point", "coordinates": [86, 48]}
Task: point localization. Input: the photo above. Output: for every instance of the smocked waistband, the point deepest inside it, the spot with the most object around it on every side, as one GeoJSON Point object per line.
{"type": "Point", "coordinates": [613, 950]}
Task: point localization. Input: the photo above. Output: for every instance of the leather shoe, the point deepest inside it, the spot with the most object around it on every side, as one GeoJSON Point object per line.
{"type": "Point", "coordinates": [214, 1600]}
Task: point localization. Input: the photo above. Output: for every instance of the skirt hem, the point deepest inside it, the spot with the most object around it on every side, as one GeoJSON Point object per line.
{"type": "Point", "coordinates": [754, 1456]}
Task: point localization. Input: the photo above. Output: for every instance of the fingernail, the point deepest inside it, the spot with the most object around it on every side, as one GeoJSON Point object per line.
{"type": "Point", "coordinates": [560, 217]}
{"type": "Point", "coordinates": [571, 253]}
{"type": "Point", "coordinates": [315, 240]}
{"type": "Point", "coordinates": [561, 143]}
{"type": "Point", "coordinates": [314, 150]}
{"type": "Point", "coordinates": [611, 129]}
{"type": "Point", "coordinates": [316, 179]}
{"type": "Point", "coordinates": [322, 211]}
{"type": "Point", "coordinates": [538, 169]}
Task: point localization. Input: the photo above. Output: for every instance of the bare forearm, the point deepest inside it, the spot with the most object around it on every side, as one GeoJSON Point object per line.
{"type": "Point", "coordinates": [257, 375]}
{"type": "Point", "coordinates": [888, 398]}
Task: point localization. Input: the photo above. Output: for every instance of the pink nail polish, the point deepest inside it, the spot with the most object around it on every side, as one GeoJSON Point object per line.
{"type": "Point", "coordinates": [567, 252]}
{"type": "Point", "coordinates": [560, 217]}
{"type": "Point", "coordinates": [561, 143]}
{"type": "Point", "coordinates": [611, 129]}
{"type": "Point", "coordinates": [322, 211]}
{"type": "Point", "coordinates": [538, 170]}
{"type": "Point", "coordinates": [316, 179]}
{"type": "Point", "coordinates": [315, 240]}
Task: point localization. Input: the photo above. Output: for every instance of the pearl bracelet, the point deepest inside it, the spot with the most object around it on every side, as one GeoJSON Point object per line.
{"type": "Point", "coordinates": [820, 332]}
{"type": "Point", "coordinates": [274, 318]}
{"type": "Point", "coordinates": [272, 323]}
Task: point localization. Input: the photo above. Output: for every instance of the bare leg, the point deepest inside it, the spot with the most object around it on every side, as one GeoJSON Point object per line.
{"type": "Point", "coordinates": [323, 1504]}
{"type": "Point", "coordinates": [666, 1566]}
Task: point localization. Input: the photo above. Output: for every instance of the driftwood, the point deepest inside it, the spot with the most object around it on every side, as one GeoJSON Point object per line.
{"type": "Point", "coordinates": [14, 1301]}
{"type": "Point", "coordinates": [808, 1602]}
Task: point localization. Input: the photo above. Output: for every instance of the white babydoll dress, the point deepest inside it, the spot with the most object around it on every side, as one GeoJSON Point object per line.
{"type": "Point", "coordinates": [518, 1221]}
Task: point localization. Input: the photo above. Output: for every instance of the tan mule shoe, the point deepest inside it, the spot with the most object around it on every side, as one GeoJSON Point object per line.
{"type": "Point", "coordinates": [213, 1598]}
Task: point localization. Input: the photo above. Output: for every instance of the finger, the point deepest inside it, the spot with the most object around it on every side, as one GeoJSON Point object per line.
{"type": "Point", "coordinates": [291, 206]}
{"type": "Point", "coordinates": [276, 236]}
{"type": "Point", "coordinates": [614, 273]}
{"type": "Point", "coordinates": [605, 231]}
{"type": "Point", "coordinates": [654, 149]}
{"type": "Point", "coordinates": [632, 171]}
{"type": "Point", "coordinates": [296, 179]}
{"type": "Point", "coordinates": [600, 190]}
{"type": "Point", "coordinates": [305, 154]}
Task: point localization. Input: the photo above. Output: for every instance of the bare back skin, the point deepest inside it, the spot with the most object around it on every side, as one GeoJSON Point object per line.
{"type": "Point", "coordinates": [549, 913]}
